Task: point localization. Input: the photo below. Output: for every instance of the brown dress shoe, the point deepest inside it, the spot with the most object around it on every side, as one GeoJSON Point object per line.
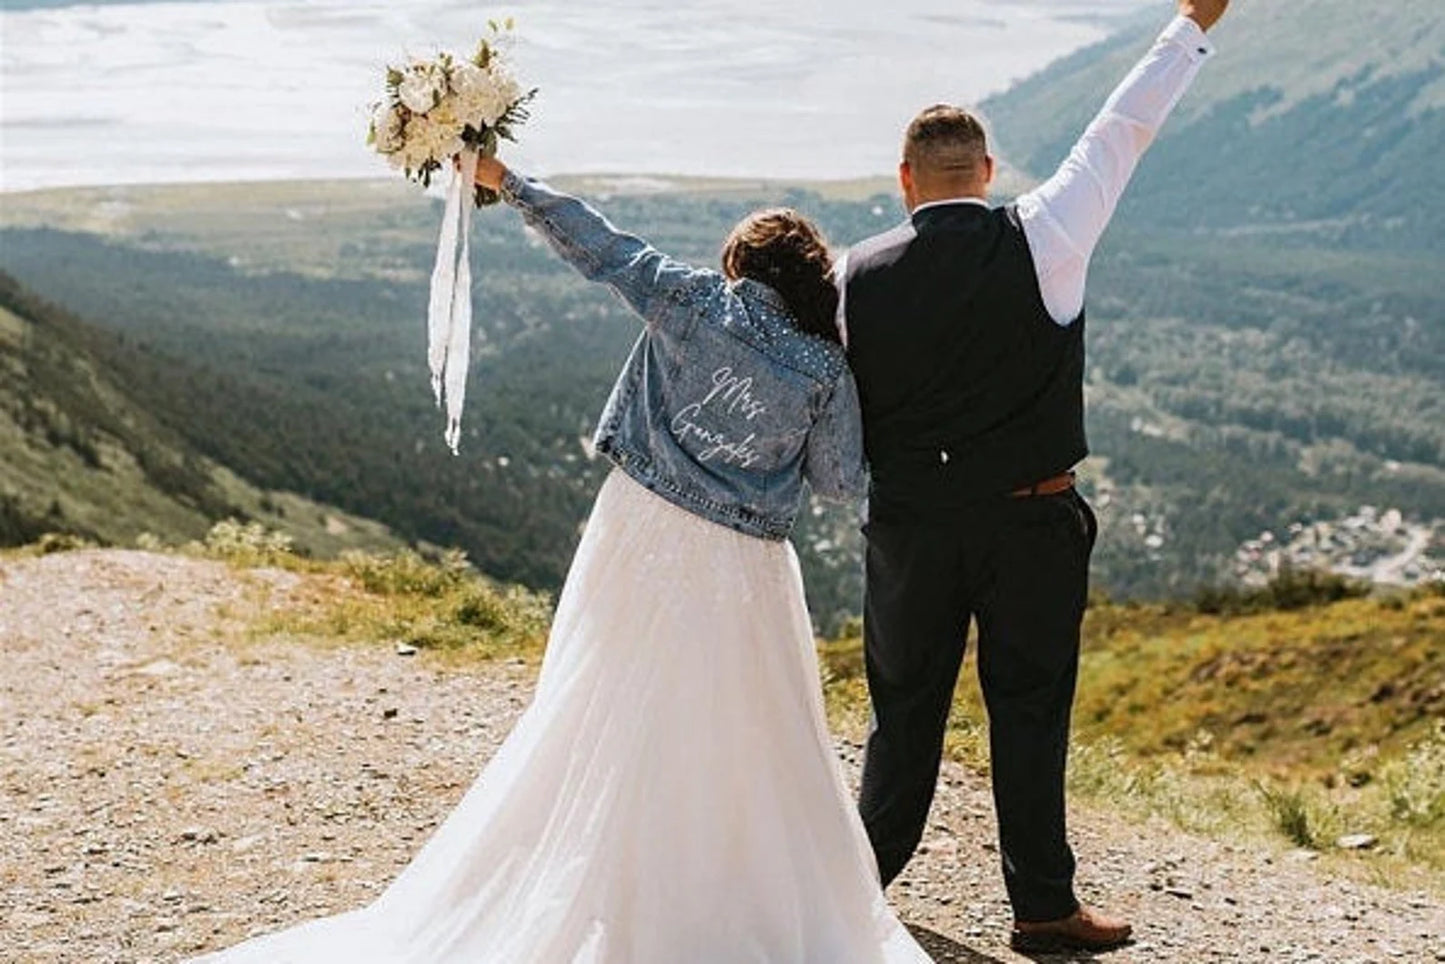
{"type": "Point", "coordinates": [1085, 929]}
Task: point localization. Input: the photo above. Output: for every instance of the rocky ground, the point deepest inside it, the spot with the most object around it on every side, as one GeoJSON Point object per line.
{"type": "Point", "coordinates": [171, 784]}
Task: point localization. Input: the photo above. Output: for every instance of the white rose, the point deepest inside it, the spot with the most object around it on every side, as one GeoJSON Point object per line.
{"type": "Point", "coordinates": [386, 123]}
{"type": "Point", "coordinates": [483, 96]}
{"type": "Point", "coordinates": [468, 77]}
{"type": "Point", "coordinates": [507, 87]}
{"type": "Point", "coordinates": [420, 87]}
{"type": "Point", "coordinates": [482, 108]}
{"type": "Point", "coordinates": [476, 96]}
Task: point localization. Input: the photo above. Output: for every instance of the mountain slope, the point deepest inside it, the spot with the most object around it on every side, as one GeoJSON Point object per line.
{"type": "Point", "coordinates": [1319, 121]}
{"type": "Point", "coordinates": [1313, 389]}
{"type": "Point", "coordinates": [79, 453]}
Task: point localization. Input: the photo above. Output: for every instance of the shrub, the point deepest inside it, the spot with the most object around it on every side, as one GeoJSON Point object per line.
{"type": "Point", "coordinates": [1300, 588]}
{"type": "Point", "coordinates": [245, 544]}
{"type": "Point", "coordinates": [1290, 589]}
{"type": "Point", "coordinates": [406, 573]}
{"type": "Point", "coordinates": [53, 542]}
{"type": "Point", "coordinates": [18, 527]}
{"type": "Point", "coordinates": [1104, 770]}
{"type": "Point", "coordinates": [441, 605]}
{"type": "Point", "coordinates": [149, 542]}
{"type": "Point", "coordinates": [1291, 813]}
{"type": "Point", "coordinates": [1415, 784]}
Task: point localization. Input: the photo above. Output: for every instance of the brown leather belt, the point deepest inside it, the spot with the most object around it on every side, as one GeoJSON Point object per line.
{"type": "Point", "coordinates": [1053, 486]}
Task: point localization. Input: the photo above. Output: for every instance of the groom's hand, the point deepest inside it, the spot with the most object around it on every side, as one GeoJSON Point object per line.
{"type": "Point", "coordinates": [1206, 13]}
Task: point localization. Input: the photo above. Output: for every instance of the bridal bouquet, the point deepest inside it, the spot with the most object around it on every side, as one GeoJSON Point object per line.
{"type": "Point", "coordinates": [437, 112]}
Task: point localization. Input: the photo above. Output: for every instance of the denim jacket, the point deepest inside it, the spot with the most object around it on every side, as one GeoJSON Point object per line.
{"type": "Point", "coordinates": [723, 408]}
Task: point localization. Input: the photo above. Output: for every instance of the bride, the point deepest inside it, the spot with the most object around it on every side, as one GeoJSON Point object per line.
{"type": "Point", "coordinates": [671, 794]}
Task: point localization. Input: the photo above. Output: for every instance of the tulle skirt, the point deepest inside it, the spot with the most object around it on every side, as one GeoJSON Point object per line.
{"type": "Point", "coordinates": [671, 795]}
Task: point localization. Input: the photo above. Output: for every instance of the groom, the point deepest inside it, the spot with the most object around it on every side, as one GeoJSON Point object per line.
{"type": "Point", "coordinates": [965, 330]}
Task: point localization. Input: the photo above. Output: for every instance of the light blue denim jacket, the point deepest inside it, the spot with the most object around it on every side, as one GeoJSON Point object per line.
{"type": "Point", "coordinates": [723, 407]}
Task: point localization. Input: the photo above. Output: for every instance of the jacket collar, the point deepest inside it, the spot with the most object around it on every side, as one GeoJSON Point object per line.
{"type": "Point", "coordinates": [749, 288]}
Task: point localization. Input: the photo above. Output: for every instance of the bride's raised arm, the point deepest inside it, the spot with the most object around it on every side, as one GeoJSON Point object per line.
{"type": "Point", "coordinates": [656, 286]}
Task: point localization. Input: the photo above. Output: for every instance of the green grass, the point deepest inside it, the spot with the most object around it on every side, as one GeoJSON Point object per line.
{"type": "Point", "coordinates": [1294, 727]}
{"type": "Point", "coordinates": [1297, 692]}
{"type": "Point", "coordinates": [399, 597]}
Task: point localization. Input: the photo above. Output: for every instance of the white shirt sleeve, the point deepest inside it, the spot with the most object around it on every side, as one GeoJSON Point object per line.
{"type": "Point", "coordinates": [1064, 217]}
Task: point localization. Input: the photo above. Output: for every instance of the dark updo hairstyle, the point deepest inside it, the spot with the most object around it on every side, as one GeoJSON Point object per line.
{"type": "Point", "coordinates": [785, 251]}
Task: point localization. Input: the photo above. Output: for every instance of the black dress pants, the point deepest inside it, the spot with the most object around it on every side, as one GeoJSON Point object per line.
{"type": "Point", "coordinates": [1020, 567]}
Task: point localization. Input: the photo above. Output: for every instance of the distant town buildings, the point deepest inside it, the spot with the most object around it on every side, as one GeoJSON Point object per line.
{"type": "Point", "coordinates": [1376, 546]}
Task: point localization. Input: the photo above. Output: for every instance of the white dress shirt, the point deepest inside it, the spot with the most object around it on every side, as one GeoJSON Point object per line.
{"type": "Point", "coordinates": [1064, 217]}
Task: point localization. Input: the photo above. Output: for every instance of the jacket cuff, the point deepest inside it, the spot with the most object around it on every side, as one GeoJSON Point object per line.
{"type": "Point", "coordinates": [514, 186]}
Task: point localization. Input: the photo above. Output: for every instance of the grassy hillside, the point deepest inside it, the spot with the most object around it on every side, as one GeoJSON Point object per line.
{"type": "Point", "coordinates": [1320, 122]}
{"type": "Point", "coordinates": [1308, 692]}
{"type": "Point", "coordinates": [79, 454]}
{"type": "Point", "coordinates": [1307, 725]}
{"type": "Point", "coordinates": [1304, 693]}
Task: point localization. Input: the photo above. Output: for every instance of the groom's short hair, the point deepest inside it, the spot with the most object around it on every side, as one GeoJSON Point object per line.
{"type": "Point", "coordinates": [946, 140]}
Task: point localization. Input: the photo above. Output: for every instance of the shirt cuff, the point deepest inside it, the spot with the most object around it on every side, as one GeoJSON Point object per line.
{"type": "Point", "coordinates": [1186, 33]}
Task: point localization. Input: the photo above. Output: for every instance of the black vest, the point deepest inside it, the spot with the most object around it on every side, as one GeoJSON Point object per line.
{"type": "Point", "coordinates": [969, 389]}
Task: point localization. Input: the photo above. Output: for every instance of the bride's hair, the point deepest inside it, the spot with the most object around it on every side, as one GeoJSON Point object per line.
{"type": "Point", "coordinates": [785, 251]}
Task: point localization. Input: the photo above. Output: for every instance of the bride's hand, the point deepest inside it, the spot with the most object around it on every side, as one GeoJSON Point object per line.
{"type": "Point", "coordinates": [490, 172]}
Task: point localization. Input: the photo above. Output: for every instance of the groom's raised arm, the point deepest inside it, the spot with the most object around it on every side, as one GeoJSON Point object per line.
{"type": "Point", "coordinates": [1066, 215]}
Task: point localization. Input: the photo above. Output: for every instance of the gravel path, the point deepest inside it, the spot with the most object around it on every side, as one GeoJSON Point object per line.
{"type": "Point", "coordinates": [169, 785]}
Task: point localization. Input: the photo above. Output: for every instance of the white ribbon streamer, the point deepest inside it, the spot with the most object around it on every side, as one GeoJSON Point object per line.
{"type": "Point", "coordinates": [449, 315]}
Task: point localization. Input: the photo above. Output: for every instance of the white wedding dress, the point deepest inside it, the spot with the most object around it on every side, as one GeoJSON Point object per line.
{"type": "Point", "coordinates": [671, 796]}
